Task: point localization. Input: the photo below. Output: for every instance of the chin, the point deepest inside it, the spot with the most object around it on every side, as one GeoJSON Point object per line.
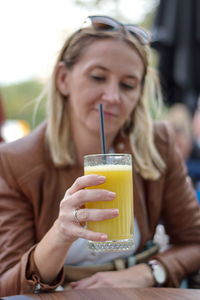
{"type": "Point", "coordinates": [113, 130]}
{"type": "Point", "coordinates": [94, 128]}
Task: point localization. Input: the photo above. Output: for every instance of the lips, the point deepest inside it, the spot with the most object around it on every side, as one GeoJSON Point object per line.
{"type": "Point", "coordinates": [108, 114]}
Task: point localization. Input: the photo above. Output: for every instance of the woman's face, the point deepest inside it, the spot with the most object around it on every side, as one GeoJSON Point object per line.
{"type": "Point", "coordinates": [108, 72]}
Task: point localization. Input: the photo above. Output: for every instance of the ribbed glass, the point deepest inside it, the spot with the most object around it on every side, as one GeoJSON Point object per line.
{"type": "Point", "coordinates": [118, 171]}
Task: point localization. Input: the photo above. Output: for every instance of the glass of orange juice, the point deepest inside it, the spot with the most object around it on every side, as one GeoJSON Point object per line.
{"type": "Point", "coordinates": [117, 168]}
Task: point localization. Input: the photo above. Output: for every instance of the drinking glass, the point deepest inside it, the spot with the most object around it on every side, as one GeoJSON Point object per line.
{"type": "Point", "coordinates": [117, 168]}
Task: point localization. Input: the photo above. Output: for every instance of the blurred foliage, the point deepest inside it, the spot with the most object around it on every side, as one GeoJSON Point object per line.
{"type": "Point", "coordinates": [20, 101]}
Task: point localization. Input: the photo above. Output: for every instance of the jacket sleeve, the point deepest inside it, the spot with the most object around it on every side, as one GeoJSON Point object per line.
{"type": "Point", "coordinates": [18, 273]}
{"type": "Point", "coordinates": [181, 217]}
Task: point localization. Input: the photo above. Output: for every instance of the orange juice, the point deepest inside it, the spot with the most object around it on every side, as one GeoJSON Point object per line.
{"type": "Point", "coordinates": [118, 180]}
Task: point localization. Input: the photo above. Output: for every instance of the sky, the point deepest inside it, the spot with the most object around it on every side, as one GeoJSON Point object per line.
{"type": "Point", "coordinates": [32, 32]}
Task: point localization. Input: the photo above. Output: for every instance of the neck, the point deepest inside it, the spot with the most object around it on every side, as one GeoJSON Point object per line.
{"type": "Point", "coordinates": [88, 143]}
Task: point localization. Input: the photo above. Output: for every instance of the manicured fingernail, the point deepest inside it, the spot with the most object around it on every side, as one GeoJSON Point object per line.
{"type": "Point", "coordinates": [112, 195]}
{"type": "Point", "coordinates": [101, 178]}
{"type": "Point", "coordinates": [115, 211]}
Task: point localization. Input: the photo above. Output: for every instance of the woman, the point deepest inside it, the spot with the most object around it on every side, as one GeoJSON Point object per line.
{"type": "Point", "coordinates": [42, 182]}
{"type": "Point", "coordinates": [181, 120]}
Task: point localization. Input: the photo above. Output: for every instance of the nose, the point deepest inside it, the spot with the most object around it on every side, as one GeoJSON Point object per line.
{"type": "Point", "coordinates": [112, 93]}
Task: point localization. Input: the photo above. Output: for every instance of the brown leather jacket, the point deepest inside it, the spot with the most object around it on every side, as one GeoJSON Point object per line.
{"type": "Point", "coordinates": [31, 189]}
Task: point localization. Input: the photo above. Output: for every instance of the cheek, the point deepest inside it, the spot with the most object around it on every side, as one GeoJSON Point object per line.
{"type": "Point", "coordinates": [132, 103]}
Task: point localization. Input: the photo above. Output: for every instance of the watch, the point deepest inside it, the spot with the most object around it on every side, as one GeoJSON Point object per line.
{"type": "Point", "coordinates": [158, 271]}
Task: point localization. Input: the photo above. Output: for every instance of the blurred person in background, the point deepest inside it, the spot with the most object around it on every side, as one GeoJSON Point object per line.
{"type": "Point", "coordinates": [183, 125]}
{"type": "Point", "coordinates": [43, 246]}
{"type": "Point", "coordinates": [180, 118]}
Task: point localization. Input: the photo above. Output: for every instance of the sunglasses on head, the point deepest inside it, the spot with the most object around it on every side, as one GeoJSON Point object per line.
{"type": "Point", "coordinates": [104, 23]}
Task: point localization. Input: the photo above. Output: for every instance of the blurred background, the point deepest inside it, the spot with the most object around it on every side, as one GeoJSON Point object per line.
{"type": "Point", "coordinates": [32, 32]}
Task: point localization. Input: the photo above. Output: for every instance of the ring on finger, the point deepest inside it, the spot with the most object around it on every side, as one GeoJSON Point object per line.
{"type": "Point", "coordinates": [75, 213]}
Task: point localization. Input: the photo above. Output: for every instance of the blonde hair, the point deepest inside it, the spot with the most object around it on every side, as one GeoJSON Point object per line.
{"type": "Point", "coordinates": [146, 156]}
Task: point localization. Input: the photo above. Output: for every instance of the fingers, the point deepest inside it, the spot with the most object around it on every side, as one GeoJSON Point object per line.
{"type": "Point", "coordinates": [71, 228]}
{"type": "Point", "coordinates": [85, 181]}
{"type": "Point", "coordinates": [77, 231]}
{"type": "Point", "coordinates": [77, 195]}
{"type": "Point", "coordinates": [84, 283]}
{"type": "Point", "coordinates": [79, 198]}
{"type": "Point", "coordinates": [90, 235]}
{"type": "Point", "coordinates": [85, 215]}
{"type": "Point", "coordinates": [72, 213]}
{"type": "Point", "coordinates": [100, 279]}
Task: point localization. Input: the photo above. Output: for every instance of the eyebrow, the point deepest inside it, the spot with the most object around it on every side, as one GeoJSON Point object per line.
{"type": "Point", "coordinates": [127, 76]}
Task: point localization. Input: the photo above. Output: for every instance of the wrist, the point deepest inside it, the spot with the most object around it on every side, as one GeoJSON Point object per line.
{"type": "Point", "coordinates": [148, 276]}
{"type": "Point", "coordinates": [49, 257]}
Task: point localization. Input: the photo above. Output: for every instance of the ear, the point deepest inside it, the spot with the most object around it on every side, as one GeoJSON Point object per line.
{"type": "Point", "coordinates": [62, 79]}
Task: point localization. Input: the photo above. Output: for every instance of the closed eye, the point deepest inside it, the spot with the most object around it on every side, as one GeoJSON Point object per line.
{"type": "Point", "coordinates": [98, 78]}
{"type": "Point", "coordinates": [127, 86]}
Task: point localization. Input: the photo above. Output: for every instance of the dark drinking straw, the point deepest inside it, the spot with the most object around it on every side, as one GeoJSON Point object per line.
{"type": "Point", "coordinates": [102, 134]}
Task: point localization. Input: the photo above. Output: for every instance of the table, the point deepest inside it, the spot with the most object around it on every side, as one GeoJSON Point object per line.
{"type": "Point", "coordinates": [122, 294]}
